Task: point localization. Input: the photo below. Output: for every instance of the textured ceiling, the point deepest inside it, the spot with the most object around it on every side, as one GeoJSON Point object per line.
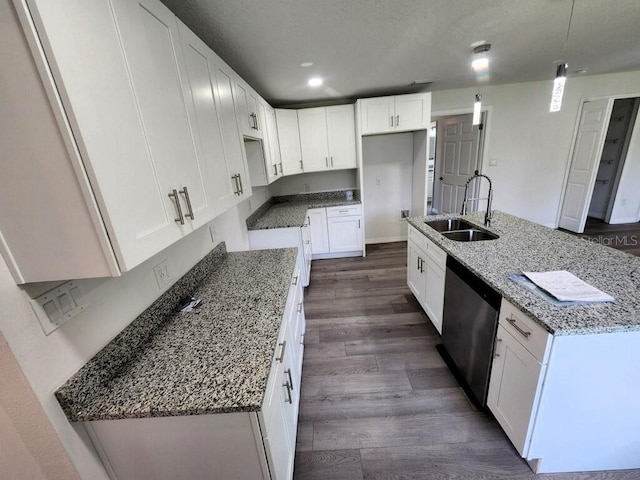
{"type": "Point", "coordinates": [374, 47]}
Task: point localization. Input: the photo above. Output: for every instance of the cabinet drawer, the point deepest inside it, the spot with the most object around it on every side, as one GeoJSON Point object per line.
{"type": "Point", "coordinates": [344, 211]}
{"type": "Point", "coordinates": [438, 255]}
{"type": "Point", "coordinates": [528, 333]}
{"type": "Point", "coordinates": [418, 238]}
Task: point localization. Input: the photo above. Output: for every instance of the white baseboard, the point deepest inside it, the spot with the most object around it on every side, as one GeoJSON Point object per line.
{"type": "Point", "coordinates": [398, 238]}
{"type": "Point", "coordinates": [325, 256]}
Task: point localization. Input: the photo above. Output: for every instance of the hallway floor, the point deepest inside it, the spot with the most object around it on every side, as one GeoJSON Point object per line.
{"type": "Point", "coordinates": [623, 236]}
{"type": "Point", "coordinates": [377, 401]}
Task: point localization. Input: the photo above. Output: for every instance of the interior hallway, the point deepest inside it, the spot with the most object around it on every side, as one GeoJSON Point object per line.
{"type": "Point", "coordinates": [624, 236]}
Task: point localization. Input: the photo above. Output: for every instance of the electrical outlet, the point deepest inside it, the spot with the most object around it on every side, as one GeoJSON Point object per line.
{"type": "Point", "coordinates": [212, 232]}
{"type": "Point", "coordinates": [623, 201]}
{"type": "Point", "coordinates": [59, 305]}
{"type": "Point", "coordinates": [493, 162]}
{"type": "Point", "coordinates": [306, 187]}
{"type": "Point", "coordinates": [163, 276]}
{"type": "Point", "coordinates": [404, 213]}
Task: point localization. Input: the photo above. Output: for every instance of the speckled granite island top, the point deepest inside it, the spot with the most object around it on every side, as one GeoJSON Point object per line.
{"type": "Point", "coordinates": [214, 361]}
{"type": "Point", "coordinates": [291, 211]}
{"type": "Point", "coordinates": [524, 246]}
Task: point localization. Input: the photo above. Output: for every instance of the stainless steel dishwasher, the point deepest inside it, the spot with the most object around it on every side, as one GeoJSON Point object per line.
{"type": "Point", "coordinates": [469, 326]}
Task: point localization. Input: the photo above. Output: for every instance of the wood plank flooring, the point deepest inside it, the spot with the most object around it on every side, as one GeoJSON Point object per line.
{"type": "Point", "coordinates": [377, 401]}
{"type": "Point", "coordinates": [624, 236]}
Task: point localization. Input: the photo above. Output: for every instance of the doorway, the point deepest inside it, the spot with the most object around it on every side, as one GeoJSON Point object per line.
{"type": "Point", "coordinates": [599, 160]}
{"type": "Point", "coordinates": [458, 156]}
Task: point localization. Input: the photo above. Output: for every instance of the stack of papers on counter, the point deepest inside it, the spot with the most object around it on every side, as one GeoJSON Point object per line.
{"type": "Point", "coordinates": [566, 287]}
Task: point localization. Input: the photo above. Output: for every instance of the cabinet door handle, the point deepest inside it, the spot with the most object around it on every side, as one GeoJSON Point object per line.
{"type": "Point", "coordinates": [397, 120]}
{"type": "Point", "coordinates": [358, 223]}
{"type": "Point", "coordinates": [295, 280]}
{"type": "Point", "coordinates": [185, 192]}
{"type": "Point", "coordinates": [275, 170]}
{"type": "Point", "coordinates": [288, 372]}
{"type": "Point", "coordinates": [392, 120]}
{"type": "Point", "coordinates": [241, 190]}
{"type": "Point", "coordinates": [301, 165]}
{"type": "Point", "coordinates": [418, 267]}
{"type": "Point", "coordinates": [176, 198]}
{"type": "Point", "coordinates": [299, 307]}
{"type": "Point", "coordinates": [281, 172]}
{"type": "Point", "coordinates": [495, 347]}
{"type": "Point", "coordinates": [283, 345]}
{"type": "Point", "coordinates": [512, 321]}
{"type": "Point", "coordinates": [236, 189]}
{"type": "Point", "coordinates": [302, 339]}
{"type": "Point", "coordinates": [288, 387]}
{"type": "Point", "coordinates": [326, 162]}
{"type": "Point", "coordinates": [308, 220]}
{"type": "Point", "coordinates": [331, 162]}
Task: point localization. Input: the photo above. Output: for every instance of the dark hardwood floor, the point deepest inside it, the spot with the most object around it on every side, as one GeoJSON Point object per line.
{"type": "Point", "coordinates": [624, 236]}
{"type": "Point", "coordinates": [377, 401]}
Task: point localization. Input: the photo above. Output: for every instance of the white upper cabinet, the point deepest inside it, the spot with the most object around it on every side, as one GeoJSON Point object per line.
{"type": "Point", "coordinates": [231, 138]}
{"type": "Point", "coordinates": [289, 140]}
{"type": "Point", "coordinates": [247, 104]}
{"type": "Point", "coordinates": [271, 144]}
{"type": "Point", "coordinates": [327, 138]}
{"type": "Point", "coordinates": [401, 113]}
{"type": "Point", "coordinates": [200, 62]}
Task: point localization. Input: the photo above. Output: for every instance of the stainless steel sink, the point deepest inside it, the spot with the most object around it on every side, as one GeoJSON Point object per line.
{"type": "Point", "coordinates": [449, 224]}
{"type": "Point", "coordinates": [470, 235]}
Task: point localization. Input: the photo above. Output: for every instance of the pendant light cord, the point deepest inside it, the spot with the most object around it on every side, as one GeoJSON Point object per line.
{"type": "Point", "coordinates": [566, 40]}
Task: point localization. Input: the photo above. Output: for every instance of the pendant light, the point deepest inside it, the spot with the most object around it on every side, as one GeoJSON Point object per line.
{"type": "Point", "coordinates": [477, 110]}
{"type": "Point", "coordinates": [561, 72]}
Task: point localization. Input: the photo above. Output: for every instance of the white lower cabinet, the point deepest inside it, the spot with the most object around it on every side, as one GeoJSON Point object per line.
{"type": "Point", "coordinates": [344, 225]}
{"type": "Point", "coordinates": [426, 266]}
{"type": "Point", "coordinates": [318, 230]}
{"type": "Point", "coordinates": [230, 446]}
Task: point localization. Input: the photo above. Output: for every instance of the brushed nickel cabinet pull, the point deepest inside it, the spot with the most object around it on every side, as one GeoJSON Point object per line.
{"type": "Point", "coordinates": [331, 162]}
{"type": "Point", "coordinates": [358, 223]}
{"type": "Point", "coordinates": [288, 372]}
{"type": "Point", "coordinates": [275, 170]}
{"type": "Point", "coordinates": [281, 172]}
{"type": "Point", "coordinates": [495, 347]}
{"type": "Point", "coordinates": [185, 192]}
{"type": "Point", "coordinates": [326, 162]}
{"type": "Point", "coordinates": [288, 387]}
{"type": "Point", "coordinates": [236, 189]}
{"type": "Point", "coordinates": [176, 198]}
{"type": "Point", "coordinates": [241, 187]}
{"type": "Point", "coordinates": [512, 321]}
{"type": "Point", "coordinates": [299, 307]}
{"type": "Point", "coordinates": [397, 120]}
{"type": "Point", "coordinates": [302, 339]}
{"type": "Point", "coordinates": [283, 345]}
{"type": "Point", "coordinates": [295, 280]}
{"type": "Point", "coordinates": [418, 267]}
{"type": "Point", "coordinates": [392, 120]}
{"type": "Point", "coordinates": [301, 165]}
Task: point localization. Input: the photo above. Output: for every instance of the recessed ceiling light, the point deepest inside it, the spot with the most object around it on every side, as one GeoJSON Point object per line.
{"type": "Point", "coordinates": [315, 81]}
{"type": "Point", "coordinates": [478, 43]}
{"type": "Point", "coordinates": [306, 64]}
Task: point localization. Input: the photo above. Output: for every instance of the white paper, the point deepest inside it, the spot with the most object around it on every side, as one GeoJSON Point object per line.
{"type": "Point", "coordinates": [566, 287]}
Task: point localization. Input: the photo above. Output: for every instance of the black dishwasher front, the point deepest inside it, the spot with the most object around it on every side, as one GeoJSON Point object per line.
{"type": "Point", "coordinates": [469, 324]}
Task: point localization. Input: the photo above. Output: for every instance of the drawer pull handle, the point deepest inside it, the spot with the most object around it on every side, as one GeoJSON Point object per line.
{"type": "Point", "coordinates": [300, 307]}
{"type": "Point", "coordinates": [495, 347]}
{"type": "Point", "coordinates": [289, 399]}
{"type": "Point", "coordinates": [240, 181]}
{"type": "Point", "coordinates": [302, 339]}
{"type": "Point", "coordinates": [175, 197]}
{"type": "Point", "coordinates": [281, 357]}
{"type": "Point", "coordinates": [295, 280]}
{"type": "Point", "coordinates": [288, 372]}
{"type": "Point", "coordinates": [512, 321]}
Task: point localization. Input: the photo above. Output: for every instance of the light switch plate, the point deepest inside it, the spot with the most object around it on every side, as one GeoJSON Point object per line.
{"type": "Point", "coordinates": [59, 305]}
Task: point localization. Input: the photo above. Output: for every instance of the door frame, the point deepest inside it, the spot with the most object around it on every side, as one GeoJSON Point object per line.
{"type": "Point", "coordinates": [487, 115]}
{"type": "Point", "coordinates": [574, 137]}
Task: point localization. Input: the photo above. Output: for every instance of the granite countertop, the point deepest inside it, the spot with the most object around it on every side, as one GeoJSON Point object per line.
{"type": "Point", "coordinates": [527, 246]}
{"type": "Point", "coordinates": [291, 211]}
{"type": "Point", "coordinates": [215, 360]}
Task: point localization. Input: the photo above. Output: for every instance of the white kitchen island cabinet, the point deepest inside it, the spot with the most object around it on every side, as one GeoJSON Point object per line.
{"type": "Point", "coordinates": [400, 113]}
{"type": "Point", "coordinates": [327, 138]}
{"type": "Point", "coordinates": [130, 129]}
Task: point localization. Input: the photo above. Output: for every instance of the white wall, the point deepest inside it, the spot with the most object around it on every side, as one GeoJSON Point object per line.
{"type": "Point", "coordinates": [48, 361]}
{"type": "Point", "coordinates": [531, 145]}
{"type": "Point", "coordinates": [387, 185]}
{"type": "Point", "coordinates": [314, 182]}
{"type": "Point", "coordinates": [626, 208]}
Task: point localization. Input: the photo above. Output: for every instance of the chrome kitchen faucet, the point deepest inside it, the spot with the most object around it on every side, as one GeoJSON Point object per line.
{"type": "Point", "coordinates": [488, 214]}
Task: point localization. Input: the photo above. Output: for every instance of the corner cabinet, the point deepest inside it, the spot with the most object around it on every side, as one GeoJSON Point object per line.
{"type": "Point", "coordinates": [327, 138]}
{"type": "Point", "coordinates": [232, 446]}
{"type": "Point", "coordinates": [135, 155]}
{"type": "Point", "coordinates": [400, 113]}
{"type": "Point", "coordinates": [426, 266]}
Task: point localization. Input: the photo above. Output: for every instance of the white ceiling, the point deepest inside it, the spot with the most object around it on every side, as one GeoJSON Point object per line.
{"type": "Point", "coordinates": [374, 47]}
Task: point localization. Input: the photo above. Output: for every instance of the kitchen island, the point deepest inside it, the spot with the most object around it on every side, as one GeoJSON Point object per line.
{"type": "Point", "coordinates": [213, 391]}
{"type": "Point", "coordinates": [579, 405]}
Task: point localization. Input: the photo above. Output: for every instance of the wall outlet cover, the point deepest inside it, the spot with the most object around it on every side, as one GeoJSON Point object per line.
{"type": "Point", "coordinates": [404, 213]}
{"type": "Point", "coordinates": [163, 275]}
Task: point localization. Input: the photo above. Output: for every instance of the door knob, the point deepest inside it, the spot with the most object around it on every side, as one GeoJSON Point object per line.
{"type": "Point", "coordinates": [441, 178]}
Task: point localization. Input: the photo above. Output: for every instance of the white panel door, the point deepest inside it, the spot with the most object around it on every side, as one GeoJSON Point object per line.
{"type": "Point", "coordinates": [458, 147]}
{"type": "Point", "coordinates": [514, 385]}
{"type": "Point", "coordinates": [207, 130]}
{"type": "Point", "coordinates": [313, 139]}
{"type": "Point", "coordinates": [319, 230]}
{"type": "Point", "coordinates": [584, 164]}
{"type": "Point", "coordinates": [345, 234]}
{"type": "Point", "coordinates": [231, 139]}
{"type": "Point", "coordinates": [289, 139]}
{"type": "Point", "coordinates": [377, 115]}
{"type": "Point", "coordinates": [412, 112]}
{"type": "Point", "coordinates": [341, 136]}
